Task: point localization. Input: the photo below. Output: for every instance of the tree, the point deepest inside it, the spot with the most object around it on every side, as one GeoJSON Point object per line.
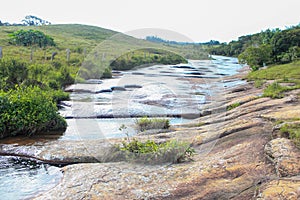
{"type": "Point", "coordinates": [31, 20]}
{"type": "Point", "coordinates": [283, 44]}
{"type": "Point", "coordinates": [256, 57]}
{"type": "Point", "coordinates": [31, 38]}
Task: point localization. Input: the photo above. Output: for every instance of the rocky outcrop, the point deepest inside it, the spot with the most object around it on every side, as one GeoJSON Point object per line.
{"type": "Point", "coordinates": [236, 159]}
{"type": "Point", "coordinates": [285, 156]}
{"type": "Point", "coordinates": [281, 189]}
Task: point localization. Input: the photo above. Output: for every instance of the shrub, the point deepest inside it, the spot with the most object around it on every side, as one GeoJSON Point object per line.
{"type": "Point", "coordinates": [30, 38]}
{"type": "Point", "coordinates": [107, 73]}
{"type": "Point", "coordinates": [12, 72]}
{"type": "Point", "coordinates": [59, 95]}
{"type": "Point", "coordinates": [28, 111]}
{"type": "Point", "coordinates": [150, 152]}
{"type": "Point", "coordinates": [145, 123]}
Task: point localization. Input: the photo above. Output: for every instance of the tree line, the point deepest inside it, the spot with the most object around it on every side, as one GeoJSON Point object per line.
{"type": "Point", "coordinates": [272, 46]}
{"type": "Point", "coordinates": [160, 40]}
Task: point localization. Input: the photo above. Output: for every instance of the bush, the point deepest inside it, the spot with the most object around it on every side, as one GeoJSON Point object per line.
{"type": "Point", "coordinates": [145, 123]}
{"type": "Point", "coordinates": [12, 72]}
{"type": "Point", "coordinates": [150, 152]}
{"type": "Point", "coordinates": [28, 111]}
{"type": "Point", "coordinates": [107, 73]}
{"type": "Point", "coordinates": [30, 38]}
{"type": "Point", "coordinates": [59, 95]}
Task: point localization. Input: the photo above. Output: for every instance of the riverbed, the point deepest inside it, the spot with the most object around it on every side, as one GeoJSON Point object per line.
{"type": "Point", "coordinates": [177, 92]}
{"type": "Point", "coordinates": [97, 110]}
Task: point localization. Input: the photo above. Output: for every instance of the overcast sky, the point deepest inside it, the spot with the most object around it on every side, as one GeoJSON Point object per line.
{"type": "Point", "coordinates": [191, 20]}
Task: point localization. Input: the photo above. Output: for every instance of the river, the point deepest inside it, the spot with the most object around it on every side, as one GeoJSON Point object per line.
{"type": "Point", "coordinates": [97, 110]}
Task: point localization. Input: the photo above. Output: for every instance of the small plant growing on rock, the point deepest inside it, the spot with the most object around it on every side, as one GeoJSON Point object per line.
{"type": "Point", "coordinates": [123, 128]}
{"type": "Point", "coordinates": [145, 123]}
{"type": "Point", "coordinates": [232, 106]}
{"type": "Point", "coordinates": [293, 131]}
{"type": "Point", "coordinates": [274, 91]}
{"type": "Point", "coordinates": [150, 152]}
{"type": "Point", "coordinates": [259, 83]}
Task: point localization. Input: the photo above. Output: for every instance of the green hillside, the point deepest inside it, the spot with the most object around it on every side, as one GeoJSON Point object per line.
{"type": "Point", "coordinates": [78, 37]}
{"type": "Point", "coordinates": [88, 43]}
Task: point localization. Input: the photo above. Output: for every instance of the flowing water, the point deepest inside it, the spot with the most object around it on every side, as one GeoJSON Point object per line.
{"type": "Point", "coordinates": [177, 92]}
{"type": "Point", "coordinates": [97, 110]}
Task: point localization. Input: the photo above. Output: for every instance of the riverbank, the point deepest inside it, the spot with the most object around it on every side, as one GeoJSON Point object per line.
{"type": "Point", "coordinates": [238, 157]}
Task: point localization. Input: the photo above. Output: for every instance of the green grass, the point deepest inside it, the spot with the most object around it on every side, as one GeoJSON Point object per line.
{"type": "Point", "coordinates": [145, 123]}
{"type": "Point", "coordinates": [90, 46]}
{"type": "Point", "coordinates": [78, 37]}
{"type": "Point", "coordinates": [275, 90]}
{"type": "Point", "coordinates": [150, 152]}
{"type": "Point", "coordinates": [293, 130]}
{"type": "Point", "coordinates": [259, 83]}
{"type": "Point", "coordinates": [287, 73]}
{"type": "Point", "coordinates": [232, 106]}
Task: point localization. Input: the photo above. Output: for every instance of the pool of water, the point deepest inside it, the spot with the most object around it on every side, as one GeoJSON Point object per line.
{"type": "Point", "coordinates": [25, 178]}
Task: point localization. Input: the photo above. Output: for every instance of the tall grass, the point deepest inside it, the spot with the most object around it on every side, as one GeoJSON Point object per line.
{"type": "Point", "coordinates": [146, 123]}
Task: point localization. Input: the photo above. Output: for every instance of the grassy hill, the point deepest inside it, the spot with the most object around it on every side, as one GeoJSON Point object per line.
{"type": "Point", "coordinates": [78, 38]}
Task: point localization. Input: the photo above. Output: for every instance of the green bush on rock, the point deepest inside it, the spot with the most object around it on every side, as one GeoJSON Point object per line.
{"type": "Point", "coordinates": [145, 123]}
{"type": "Point", "coordinates": [27, 111]}
{"type": "Point", "coordinates": [150, 152]}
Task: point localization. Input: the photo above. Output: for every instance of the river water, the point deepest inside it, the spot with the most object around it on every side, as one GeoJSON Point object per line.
{"type": "Point", "coordinates": [98, 109]}
{"type": "Point", "coordinates": [177, 92]}
{"type": "Point", "coordinates": [24, 178]}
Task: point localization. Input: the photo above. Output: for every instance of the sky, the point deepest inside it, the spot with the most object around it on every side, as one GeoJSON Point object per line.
{"type": "Point", "coordinates": [184, 20]}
